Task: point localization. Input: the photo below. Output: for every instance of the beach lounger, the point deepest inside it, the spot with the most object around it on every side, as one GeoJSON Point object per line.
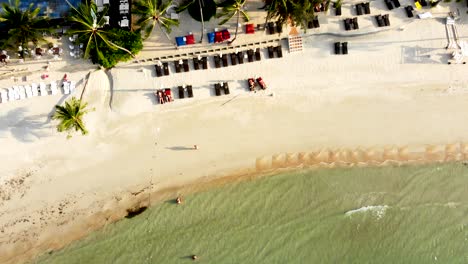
{"type": "Point", "coordinates": [261, 83]}
{"type": "Point", "coordinates": [316, 22]}
{"type": "Point", "coordinates": [396, 3]}
{"type": "Point", "coordinates": [389, 4]}
{"type": "Point", "coordinates": [251, 83]}
{"type": "Point", "coordinates": [366, 8]}
{"type": "Point", "coordinates": [233, 58]}
{"type": "Point", "coordinates": [42, 89]}
{"type": "Point", "coordinates": [196, 64]}
{"type": "Point", "coordinates": [338, 11]}
{"type": "Point", "coordinates": [168, 95]}
{"type": "Point", "coordinates": [217, 61]}
{"type": "Point", "coordinates": [181, 92]}
{"type": "Point", "coordinates": [72, 86]}
{"type": "Point", "coordinates": [271, 28]}
{"type": "Point", "coordinates": [178, 66]}
{"type": "Point", "coordinates": [279, 27]}
{"type": "Point", "coordinates": [347, 24]}
{"type": "Point", "coordinates": [28, 91]}
{"type": "Point", "coordinates": [271, 53]}
{"type": "Point", "coordinates": [423, 2]}
{"type": "Point", "coordinates": [279, 51]}
{"type": "Point", "coordinates": [226, 34]}
{"type": "Point", "coordinates": [22, 92]}
{"type": "Point", "coordinates": [224, 58]}
{"type": "Point", "coordinates": [379, 20]}
{"type": "Point", "coordinates": [34, 89]}
{"type": "Point", "coordinates": [409, 11]}
{"type": "Point", "coordinates": [359, 9]}
{"type": "Point", "coordinates": [344, 48]}
{"type": "Point", "coordinates": [337, 48]}
{"type": "Point", "coordinates": [386, 20]}
{"type": "Point", "coordinates": [217, 89]}
{"type": "Point", "coordinates": [257, 54]}
{"type": "Point", "coordinates": [159, 72]}
{"type": "Point", "coordinates": [211, 37]}
{"type": "Point", "coordinates": [166, 68]}
{"type": "Point", "coordinates": [204, 61]}
{"type": "Point", "coordinates": [186, 65]}
{"type": "Point", "coordinates": [53, 87]}
{"type": "Point", "coordinates": [218, 37]}
{"type": "Point", "coordinates": [249, 29]}
{"type": "Point", "coordinates": [189, 91]}
{"type": "Point", "coordinates": [250, 55]}
{"type": "Point", "coordinates": [310, 24]}
{"type": "Point", "coordinates": [355, 23]}
{"type": "Point", "coordinates": [65, 87]}
{"type": "Point", "coordinates": [11, 94]}
{"type": "Point", "coordinates": [4, 96]}
{"type": "Point", "coordinates": [226, 87]}
{"type": "Point", "coordinates": [16, 92]}
{"type": "Point", "coordinates": [240, 57]}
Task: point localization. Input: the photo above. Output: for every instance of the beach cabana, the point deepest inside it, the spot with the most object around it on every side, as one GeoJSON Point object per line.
{"type": "Point", "coordinates": [181, 41]}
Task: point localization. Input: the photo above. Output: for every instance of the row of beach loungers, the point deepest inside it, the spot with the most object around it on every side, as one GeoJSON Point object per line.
{"type": "Point", "coordinates": [21, 92]}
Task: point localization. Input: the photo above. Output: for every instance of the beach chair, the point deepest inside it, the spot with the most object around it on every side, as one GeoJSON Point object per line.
{"type": "Point", "coordinates": [196, 64]}
{"type": "Point", "coordinates": [279, 51]}
{"type": "Point", "coordinates": [226, 87]}
{"type": "Point", "coordinates": [347, 24]}
{"type": "Point", "coordinates": [72, 86]}
{"type": "Point", "coordinates": [189, 91]}
{"type": "Point", "coordinates": [204, 61]}
{"type": "Point", "coordinates": [423, 2]}
{"type": "Point", "coordinates": [338, 11]}
{"type": "Point", "coordinates": [218, 37]}
{"type": "Point", "coordinates": [386, 20]}
{"type": "Point", "coordinates": [409, 11]}
{"type": "Point", "coordinates": [22, 92]}
{"type": "Point", "coordinates": [34, 89]}
{"type": "Point", "coordinates": [180, 41]}
{"type": "Point", "coordinates": [65, 87]}
{"type": "Point", "coordinates": [28, 91]}
{"type": "Point", "coordinates": [217, 61]}
{"type": "Point", "coordinates": [271, 28]}
{"type": "Point", "coordinates": [159, 72]}
{"type": "Point", "coordinates": [233, 58]}
{"type": "Point", "coordinates": [11, 94]}
{"type": "Point", "coordinates": [185, 65]}
{"type": "Point", "coordinates": [379, 20]}
{"type": "Point", "coordinates": [240, 57]}
{"type": "Point", "coordinates": [316, 23]}
{"type": "Point", "coordinates": [279, 27]}
{"type": "Point", "coordinates": [366, 8]}
{"type": "Point", "coordinates": [16, 92]}
{"type": "Point", "coordinates": [271, 53]}
{"type": "Point", "coordinates": [389, 4]}
{"type": "Point", "coordinates": [178, 66]}
{"type": "Point", "coordinates": [181, 92]}
{"type": "Point", "coordinates": [261, 83]}
{"type": "Point", "coordinates": [251, 82]}
{"type": "Point", "coordinates": [359, 9]}
{"type": "Point", "coordinates": [344, 48]}
{"type": "Point", "coordinates": [250, 55]}
{"type": "Point", "coordinates": [337, 48]}
{"type": "Point", "coordinates": [42, 89]}
{"type": "Point", "coordinates": [190, 39]}
{"type": "Point", "coordinates": [4, 96]}
{"type": "Point", "coordinates": [217, 89]}
{"type": "Point", "coordinates": [226, 34]}
{"type": "Point", "coordinates": [355, 23]}
{"type": "Point", "coordinates": [310, 24]}
{"type": "Point", "coordinates": [211, 37]}
{"type": "Point", "coordinates": [396, 3]}
{"type": "Point", "coordinates": [168, 95]}
{"type": "Point", "coordinates": [166, 68]}
{"type": "Point", "coordinates": [257, 54]}
{"type": "Point", "coordinates": [249, 29]}
{"type": "Point", "coordinates": [224, 58]}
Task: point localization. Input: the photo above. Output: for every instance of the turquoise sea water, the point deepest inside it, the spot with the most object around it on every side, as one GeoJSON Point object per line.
{"type": "Point", "coordinates": [409, 214]}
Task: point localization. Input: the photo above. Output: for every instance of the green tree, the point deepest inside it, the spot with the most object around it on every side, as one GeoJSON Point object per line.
{"type": "Point", "coordinates": [296, 12]}
{"type": "Point", "coordinates": [70, 116]}
{"type": "Point", "coordinates": [230, 8]}
{"type": "Point", "coordinates": [151, 13]}
{"type": "Point", "coordinates": [24, 26]}
{"type": "Point", "coordinates": [90, 28]}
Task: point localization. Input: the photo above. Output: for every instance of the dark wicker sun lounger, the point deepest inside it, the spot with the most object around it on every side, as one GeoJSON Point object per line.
{"type": "Point", "coordinates": [389, 4]}
{"type": "Point", "coordinates": [204, 61]}
{"type": "Point", "coordinates": [233, 59]}
{"type": "Point", "coordinates": [386, 20]}
{"type": "Point", "coordinates": [396, 3]}
{"type": "Point", "coordinates": [166, 68]}
{"type": "Point", "coordinates": [338, 11]}
{"type": "Point", "coordinates": [279, 27]}
{"type": "Point", "coordinates": [409, 11]}
{"type": "Point", "coordinates": [366, 8]}
{"type": "Point", "coordinates": [347, 24]}
{"type": "Point", "coordinates": [257, 54]}
{"type": "Point", "coordinates": [217, 61]}
{"type": "Point", "coordinates": [316, 22]}
{"type": "Point", "coordinates": [250, 55]}
{"type": "Point", "coordinates": [271, 28]}
{"type": "Point", "coordinates": [355, 23]}
{"type": "Point", "coordinates": [240, 57]}
{"type": "Point", "coordinates": [159, 72]}
{"type": "Point", "coordinates": [178, 66]}
{"type": "Point", "coordinates": [423, 2]}
{"type": "Point", "coordinates": [189, 91]}
{"type": "Point", "coordinates": [279, 51]}
{"type": "Point", "coordinates": [337, 48]}
{"type": "Point", "coordinates": [310, 24]}
{"type": "Point", "coordinates": [181, 92]}
{"type": "Point", "coordinates": [271, 53]}
{"type": "Point", "coordinates": [379, 20]}
{"type": "Point", "coordinates": [217, 89]}
{"type": "Point", "coordinates": [186, 65]}
{"type": "Point", "coordinates": [196, 63]}
{"type": "Point", "coordinates": [344, 48]}
{"type": "Point", "coordinates": [224, 58]}
{"type": "Point", "coordinates": [226, 87]}
{"type": "Point", "coordinates": [359, 9]}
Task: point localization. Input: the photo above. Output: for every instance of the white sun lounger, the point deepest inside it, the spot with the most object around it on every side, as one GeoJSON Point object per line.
{"type": "Point", "coordinates": [17, 92]}
{"type": "Point", "coordinates": [53, 87]}
{"type": "Point", "coordinates": [42, 89]}
{"type": "Point", "coordinates": [4, 96]}
{"type": "Point", "coordinates": [72, 86]}
{"type": "Point", "coordinates": [22, 92]}
{"type": "Point", "coordinates": [11, 94]}
{"type": "Point", "coordinates": [34, 89]}
{"type": "Point", "coordinates": [66, 87]}
{"type": "Point", "coordinates": [28, 91]}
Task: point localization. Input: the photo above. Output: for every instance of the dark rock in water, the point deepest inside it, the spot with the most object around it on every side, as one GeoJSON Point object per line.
{"type": "Point", "coordinates": [132, 212]}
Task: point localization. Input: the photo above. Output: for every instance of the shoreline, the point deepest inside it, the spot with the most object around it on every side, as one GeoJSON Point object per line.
{"type": "Point", "coordinates": [81, 227]}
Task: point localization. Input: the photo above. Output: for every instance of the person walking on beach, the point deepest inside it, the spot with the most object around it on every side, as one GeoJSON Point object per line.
{"type": "Point", "coordinates": [195, 147]}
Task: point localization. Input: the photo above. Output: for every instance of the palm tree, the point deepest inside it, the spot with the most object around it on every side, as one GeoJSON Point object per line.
{"type": "Point", "coordinates": [24, 26]}
{"type": "Point", "coordinates": [295, 12]}
{"type": "Point", "coordinates": [71, 116]}
{"type": "Point", "coordinates": [90, 24]}
{"type": "Point", "coordinates": [151, 12]}
{"type": "Point", "coordinates": [230, 8]}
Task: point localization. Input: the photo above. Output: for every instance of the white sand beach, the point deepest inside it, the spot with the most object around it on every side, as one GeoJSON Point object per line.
{"type": "Point", "coordinates": [393, 97]}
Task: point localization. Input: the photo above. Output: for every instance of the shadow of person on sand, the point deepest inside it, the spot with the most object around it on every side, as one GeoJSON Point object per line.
{"type": "Point", "coordinates": [22, 127]}
{"type": "Point", "coordinates": [180, 148]}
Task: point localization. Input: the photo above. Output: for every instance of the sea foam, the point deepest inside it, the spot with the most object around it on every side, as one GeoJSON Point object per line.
{"type": "Point", "coordinates": [377, 210]}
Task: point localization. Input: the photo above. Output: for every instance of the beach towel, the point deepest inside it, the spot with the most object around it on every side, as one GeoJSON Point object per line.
{"type": "Point", "coordinates": [211, 37]}
{"type": "Point", "coordinates": [190, 39]}
{"type": "Point", "coordinates": [180, 41]}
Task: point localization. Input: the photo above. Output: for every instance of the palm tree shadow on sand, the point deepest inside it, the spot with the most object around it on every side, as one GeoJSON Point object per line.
{"type": "Point", "coordinates": [24, 128]}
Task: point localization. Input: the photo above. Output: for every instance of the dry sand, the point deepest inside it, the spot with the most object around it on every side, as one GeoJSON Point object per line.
{"type": "Point", "coordinates": [393, 99]}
